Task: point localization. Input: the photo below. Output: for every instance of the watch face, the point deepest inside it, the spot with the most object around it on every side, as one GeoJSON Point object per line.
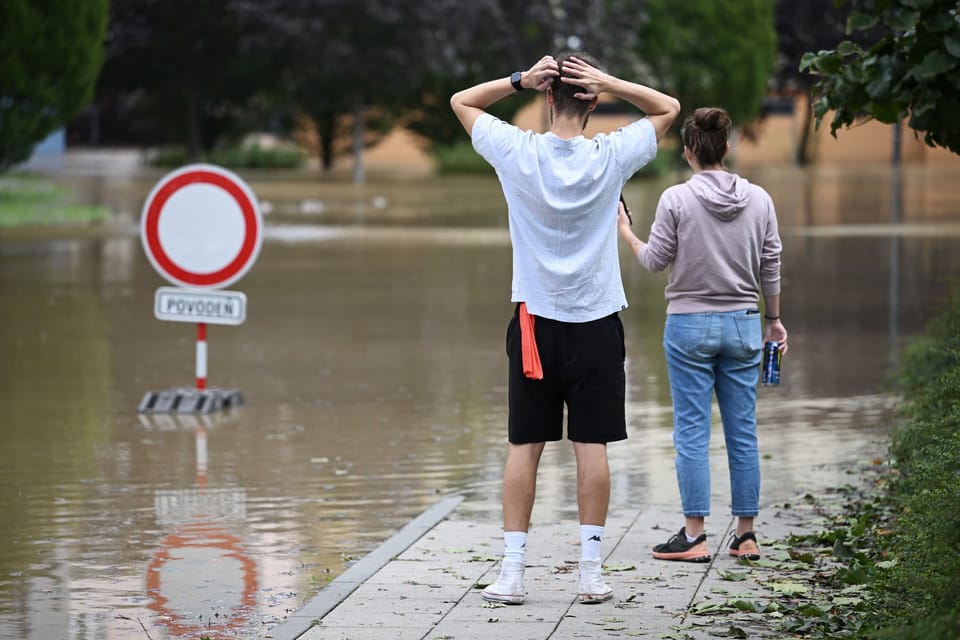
{"type": "Point", "coordinates": [515, 80]}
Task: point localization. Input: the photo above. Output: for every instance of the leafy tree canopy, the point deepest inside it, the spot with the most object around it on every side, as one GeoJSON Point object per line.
{"type": "Point", "coordinates": [912, 71]}
{"type": "Point", "coordinates": [403, 60]}
{"type": "Point", "coordinates": [482, 41]}
{"type": "Point", "coordinates": [187, 64]}
{"type": "Point", "coordinates": [50, 56]}
{"type": "Point", "coordinates": [801, 27]}
{"type": "Point", "coordinates": [711, 53]}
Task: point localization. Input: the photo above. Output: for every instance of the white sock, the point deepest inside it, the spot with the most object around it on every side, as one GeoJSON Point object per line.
{"type": "Point", "coordinates": [690, 539]}
{"type": "Point", "coordinates": [514, 546]}
{"type": "Point", "coordinates": [591, 536]}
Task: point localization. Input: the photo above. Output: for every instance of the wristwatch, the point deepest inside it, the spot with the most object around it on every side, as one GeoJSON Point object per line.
{"type": "Point", "coordinates": [515, 80]}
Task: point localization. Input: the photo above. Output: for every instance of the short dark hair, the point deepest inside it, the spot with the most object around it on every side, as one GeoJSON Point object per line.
{"type": "Point", "coordinates": [706, 133]}
{"type": "Point", "coordinates": [563, 100]}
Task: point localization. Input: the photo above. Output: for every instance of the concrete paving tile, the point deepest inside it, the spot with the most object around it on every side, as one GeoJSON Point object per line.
{"type": "Point", "coordinates": [440, 592]}
{"type": "Point", "coordinates": [321, 632]}
{"type": "Point", "coordinates": [404, 571]}
{"type": "Point", "coordinates": [539, 607]}
{"type": "Point", "coordinates": [431, 589]}
{"type": "Point", "coordinates": [389, 612]}
{"type": "Point", "coordinates": [641, 623]}
{"type": "Point", "coordinates": [673, 600]}
{"type": "Point", "coordinates": [492, 628]}
{"type": "Point", "coordinates": [607, 623]}
{"type": "Point", "coordinates": [457, 538]}
{"type": "Point", "coordinates": [436, 554]}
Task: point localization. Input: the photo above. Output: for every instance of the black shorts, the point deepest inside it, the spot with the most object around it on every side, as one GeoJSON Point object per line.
{"type": "Point", "coordinates": [583, 367]}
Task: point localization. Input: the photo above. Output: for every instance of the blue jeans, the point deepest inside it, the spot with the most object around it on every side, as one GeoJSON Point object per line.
{"type": "Point", "coordinates": [707, 353]}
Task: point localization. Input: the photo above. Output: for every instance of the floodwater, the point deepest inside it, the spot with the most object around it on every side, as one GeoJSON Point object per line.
{"type": "Point", "coordinates": [373, 370]}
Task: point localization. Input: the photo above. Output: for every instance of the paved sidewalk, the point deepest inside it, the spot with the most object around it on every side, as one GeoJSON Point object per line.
{"type": "Point", "coordinates": [423, 583]}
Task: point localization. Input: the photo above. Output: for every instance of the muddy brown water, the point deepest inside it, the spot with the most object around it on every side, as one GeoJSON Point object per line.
{"type": "Point", "coordinates": [373, 370]}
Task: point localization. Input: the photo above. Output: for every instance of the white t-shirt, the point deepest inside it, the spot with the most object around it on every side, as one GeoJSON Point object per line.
{"type": "Point", "coordinates": [562, 200]}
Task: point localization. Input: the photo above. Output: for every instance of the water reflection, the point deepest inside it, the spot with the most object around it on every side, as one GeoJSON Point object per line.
{"type": "Point", "coordinates": [373, 369]}
{"type": "Point", "coordinates": [202, 564]}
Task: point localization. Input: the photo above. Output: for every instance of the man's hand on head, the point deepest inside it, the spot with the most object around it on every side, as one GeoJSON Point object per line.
{"type": "Point", "coordinates": [577, 72]}
{"type": "Point", "coordinates": [541, 74]}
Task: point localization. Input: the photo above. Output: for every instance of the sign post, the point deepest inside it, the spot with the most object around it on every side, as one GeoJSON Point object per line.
{"type": "Point", "coordinates": [201, 228]}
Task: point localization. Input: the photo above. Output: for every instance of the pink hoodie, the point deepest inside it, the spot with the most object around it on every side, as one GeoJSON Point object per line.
{"type": "Point", "coordinates": [718, 234]}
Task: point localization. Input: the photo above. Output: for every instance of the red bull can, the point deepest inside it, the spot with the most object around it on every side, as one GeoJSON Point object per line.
{"type": "Point", "coordinates": [771, 364]}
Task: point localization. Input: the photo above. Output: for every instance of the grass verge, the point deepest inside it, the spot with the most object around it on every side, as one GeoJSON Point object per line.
{"type": "Point", "coordinates": [249, 156]}
{"type": "Point", "coordinates": [461, 158]}
{"type": "Point", "coordinates": [26, 201]}
{"type": "Point", "coordinates": [920, 596]}
{"type": "Point", "coordinates": [898, 543]}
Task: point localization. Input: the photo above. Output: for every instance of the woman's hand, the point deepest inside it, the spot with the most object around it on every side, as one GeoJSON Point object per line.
{"type": "Point", "coordinates": [623, 217]}
{"type": "Point", "coordinates": [778, 333]}
{"type": "Point", "coordinates": [623, 225]}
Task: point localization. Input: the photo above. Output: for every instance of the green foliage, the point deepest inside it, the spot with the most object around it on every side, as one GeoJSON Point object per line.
{"type": "Point", "coordinates": [913, 70]}
{"type": "Point", "coordinates": [257, 157]}
{"type": "Point", "coordinates": [25, 201]}
{"type": "Point", "coordinates": [710, 53]}
{"type": "Point", "coordinates": [919, 595]}
{"type": "Point", "coordinates": [50, 56]}
{"type": "Point", "coordinates": [459, 157]}
{"type": "Point", "coordinates": [492, 39]}
{"type": "Point", "coordinates": [895, 551]}
{"type": "Point", "coordinates": [664, 164]}
{"type": "Point", "coordinates": [239, 156]}
{"type": "Point", "coordinates": [189, 67]}
{"type": "Point", "coordinates": [931, 365]}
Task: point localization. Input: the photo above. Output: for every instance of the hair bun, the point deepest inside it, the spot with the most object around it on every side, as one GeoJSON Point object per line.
{"type": "Point", "coordinates": [706, 133]}
{"type": "Point", "coordinates": [711, 119]}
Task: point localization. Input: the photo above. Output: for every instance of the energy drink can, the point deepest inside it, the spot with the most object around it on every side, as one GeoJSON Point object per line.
{"type": "Point", "coordinates": [771, 364]}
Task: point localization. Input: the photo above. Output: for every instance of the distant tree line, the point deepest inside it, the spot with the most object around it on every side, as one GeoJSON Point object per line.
{"type": "Point", "coordinates": [202, 74]}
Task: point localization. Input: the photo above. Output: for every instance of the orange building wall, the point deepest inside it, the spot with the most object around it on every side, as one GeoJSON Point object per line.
{"type": "Point", "coordinates": [867, 142]}
{"type": "Point", "coordinates": [778, 136]}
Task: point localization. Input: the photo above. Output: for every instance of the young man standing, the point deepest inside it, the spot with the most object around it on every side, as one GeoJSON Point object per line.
{"type": "Point", "coordinates": [565, 341]}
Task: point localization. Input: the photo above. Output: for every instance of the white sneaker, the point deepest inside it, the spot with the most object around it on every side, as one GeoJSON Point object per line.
{"type": "Point", "coordinates": [593, 590]}
{"type": "Point", "coordinates": [508, 588]}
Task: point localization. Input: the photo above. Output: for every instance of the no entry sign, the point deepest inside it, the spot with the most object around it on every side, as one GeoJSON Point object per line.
{"type": "Point", "coordinates": [201, 227]}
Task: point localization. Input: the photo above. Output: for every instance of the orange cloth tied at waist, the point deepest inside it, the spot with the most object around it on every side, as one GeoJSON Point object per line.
{"type": "Point", "coordinates": [528, 345]}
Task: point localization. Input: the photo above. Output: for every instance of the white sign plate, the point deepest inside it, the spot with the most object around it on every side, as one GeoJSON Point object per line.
{"type": "Point", "coordinates": [201, 227]}
{"type": "Point", "coordinates": [200, 305]}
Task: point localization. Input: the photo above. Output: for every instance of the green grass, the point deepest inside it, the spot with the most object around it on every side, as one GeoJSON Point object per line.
{"type": "Point", "coordinates": [895, 543]}
{"type": "Point", "coordinates": [901, 540]}
{"type": "Point", "coordinates": [920, 596]}
{"type": "Point", "coordinates": [30, 201]}
{"type": "Point", "coordinates": [461, 158]}
{"type": "Point", "coordinates": [235, 157]}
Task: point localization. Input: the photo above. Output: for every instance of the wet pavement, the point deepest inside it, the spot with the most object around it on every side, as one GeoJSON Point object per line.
{"type": "Point", "coordinates": [425, 582]}
{"type": "Point", "coordinates": [372, 366]}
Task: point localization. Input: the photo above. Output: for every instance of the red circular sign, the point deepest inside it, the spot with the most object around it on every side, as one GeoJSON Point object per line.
{"type": "Point", "coordinates": [201, 227]}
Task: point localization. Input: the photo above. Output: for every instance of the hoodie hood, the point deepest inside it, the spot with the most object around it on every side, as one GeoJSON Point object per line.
{"type": "Point", "coordinates": [723, 194]}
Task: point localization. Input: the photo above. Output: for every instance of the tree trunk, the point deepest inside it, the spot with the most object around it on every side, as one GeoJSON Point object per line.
{"type": "Point", "coordinates": [359, 172]}
{"type": "Point", "coordinates": [326, 128]}
{"type": "Point", "coordinates": [802, 156]}
{"type": "Point", "coordinates": [193, 128]}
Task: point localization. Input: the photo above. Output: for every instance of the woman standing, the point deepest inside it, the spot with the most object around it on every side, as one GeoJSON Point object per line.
{"type": "Point", "coordinates": [718, 235]}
